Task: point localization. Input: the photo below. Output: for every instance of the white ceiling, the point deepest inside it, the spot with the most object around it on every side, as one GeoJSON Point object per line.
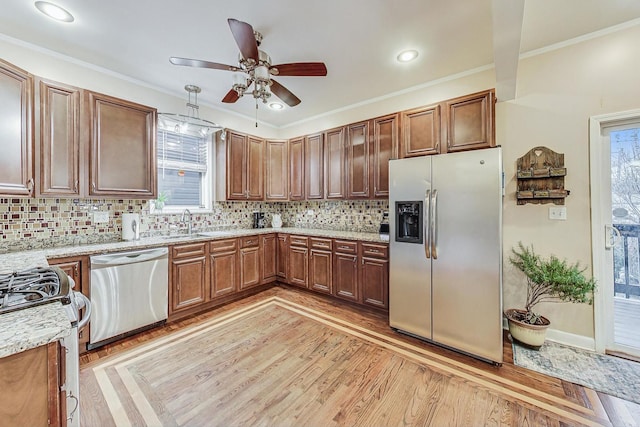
{"type": "Point", "coordinates": [357, 39]}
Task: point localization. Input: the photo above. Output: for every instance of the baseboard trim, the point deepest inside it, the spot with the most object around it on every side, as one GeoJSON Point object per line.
{"type": "Point", "coordinates": [566, 338]}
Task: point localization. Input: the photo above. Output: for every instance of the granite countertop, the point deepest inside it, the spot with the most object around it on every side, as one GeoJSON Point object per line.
{"type": "Point", "coordinates": [25, 329]}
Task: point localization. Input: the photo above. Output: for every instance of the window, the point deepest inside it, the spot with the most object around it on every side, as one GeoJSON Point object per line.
{"type": "Point", "coordinates": [183, 169]}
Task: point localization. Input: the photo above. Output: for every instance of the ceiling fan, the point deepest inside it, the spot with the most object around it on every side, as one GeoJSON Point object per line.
{"type": "Point", "coordinates": [257, 65]}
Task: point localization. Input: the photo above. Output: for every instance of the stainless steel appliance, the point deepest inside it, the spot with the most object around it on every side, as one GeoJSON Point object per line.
{"type": "Point", "coordinates": [43, 285]}
{"type": "Point", "coordinates": [445, 281]}
{"type": "Point", "coordinates": [258, 220]}
{"type": "Point", "coordinates": [129, 292]}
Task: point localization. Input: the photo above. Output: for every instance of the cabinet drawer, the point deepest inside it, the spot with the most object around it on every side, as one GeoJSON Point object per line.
{"type": "Point", "coordinates": [346, 247]}
{"type": "Point", "coordinates": [375, 251]}
{"type": "Point", "coordinates": [191, 250]}
{"type": "Point", "coordinates": [226, 245]}
{"type": "Point", "coordinates": [299, 241]}
{"type": "Point", "coordinates": [249, 241]}
{"type": "Point", "coordinates": [325, 244]}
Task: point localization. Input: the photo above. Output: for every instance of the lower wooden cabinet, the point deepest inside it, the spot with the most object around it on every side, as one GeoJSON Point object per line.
{"type": "Point", "coordinates": [299, 266]}
{"type": "Point", "coordinates": [375, 282]}
{"type": "Point", "coordinates": [188, 275]}
{"type": "Point", "coordinates": [250, 265]}
{"type": "Point", "coordinates": [345, 276]}
{"type": "Point", "coordinates": [268, 258]}
{"type": "Point", "coordinates": [37, 398]}
{"type": "Point", "coordinates": [223, 267]}
{"type": "Point", "coordinates": [320, 271]}
{"type": "Point", "coordinates": [282, 267]}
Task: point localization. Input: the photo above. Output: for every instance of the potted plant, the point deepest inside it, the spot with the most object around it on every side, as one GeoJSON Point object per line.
{"type": "Point", "coordinates": [548, 280]}
{"type": "Point", "coordinates": [160, 201]}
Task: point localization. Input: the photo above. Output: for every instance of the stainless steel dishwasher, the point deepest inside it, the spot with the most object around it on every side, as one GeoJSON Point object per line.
{"type": "Point", "coordinates": [129, 292]}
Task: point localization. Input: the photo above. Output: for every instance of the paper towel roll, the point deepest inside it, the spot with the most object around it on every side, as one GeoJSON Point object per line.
{"type": "Point", "coordinates": [130, 226]}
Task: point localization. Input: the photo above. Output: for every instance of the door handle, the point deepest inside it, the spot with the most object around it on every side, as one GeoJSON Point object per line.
{"type": "Point", "coordinates": [611, 236]}
{"type": "Point", "coordinates": [434, 224]}
{"type": "Point", "coordinates": [425, 224]}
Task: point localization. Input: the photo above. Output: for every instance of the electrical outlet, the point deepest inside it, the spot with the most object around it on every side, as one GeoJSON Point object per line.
{"type": "Point", "coordinates": [100, 217]}
{"type": "Point", "coordinates": [558, 213]}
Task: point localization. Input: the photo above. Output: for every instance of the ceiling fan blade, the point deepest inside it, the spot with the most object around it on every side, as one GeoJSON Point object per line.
{"type": "Point", "coordinates": [231, 97]}
{"type": "Point", "coordinates": [299, 69]}
{"type": "Point", "coordinates": [201, 64]}
{"type": "Point", "coordinates": [283, 93]}
{"type": "Point", "coordinates": [246, 40]}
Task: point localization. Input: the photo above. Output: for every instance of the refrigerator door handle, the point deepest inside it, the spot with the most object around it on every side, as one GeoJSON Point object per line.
{"type": "Point", "coordinates": [425, 224]}
{"type": "Point", "coordinates": [433, 226]}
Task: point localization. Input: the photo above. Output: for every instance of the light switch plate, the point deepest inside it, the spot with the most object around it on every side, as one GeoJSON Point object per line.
{"type": "Point", "coordinates": [558, 213]}
{"type": "Point", "coordinates": [100, 217]}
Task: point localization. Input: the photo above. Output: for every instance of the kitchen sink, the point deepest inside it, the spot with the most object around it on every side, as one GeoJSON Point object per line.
{"type": "Point", "coordinates": [213, 233]}
{"type": "Point", "coordinates": [179, 236]}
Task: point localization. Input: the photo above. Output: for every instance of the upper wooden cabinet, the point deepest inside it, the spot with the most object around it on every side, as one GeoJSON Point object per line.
{"type": "Point", "coordinates": [334, 163]}
{"type": "Point", "coordinates": [384, 147]}
{"type": "Point", "coordinates": [314, 166]}
{"type": "Point", "coordinates": [276, 170]}
{"type": "Point", "coordinates": [357, 160]}
{"type": "Point", "coordinates": [59, 150]}
{"type": "Point", "coordinates": [16, 107]}
{"type": "Point", "coordinates": [420, 133]}
{"type": "Point", "coordinates": [122, 148]}
{"type": "Point", "coordinates": [470, 122]}
{"type": "Point", "coordinates": [244, 167]}
{"type": "Point", "coordinates": [296, 169]}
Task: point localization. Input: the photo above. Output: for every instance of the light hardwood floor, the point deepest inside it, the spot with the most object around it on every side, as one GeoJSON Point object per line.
{"type": "Point", "coordinates": [287, 357]}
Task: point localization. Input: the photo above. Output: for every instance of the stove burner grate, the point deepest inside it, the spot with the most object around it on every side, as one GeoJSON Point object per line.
{"type": "Point", "coordinates": [32, 287]}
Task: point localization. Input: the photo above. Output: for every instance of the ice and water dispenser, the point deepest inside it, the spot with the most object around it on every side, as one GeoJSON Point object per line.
{"type": "Point", "coordinates": [409, 223]}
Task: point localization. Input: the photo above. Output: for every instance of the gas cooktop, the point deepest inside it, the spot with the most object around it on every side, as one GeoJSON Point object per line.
{"type": "Point", "coordinates": [35, 286]}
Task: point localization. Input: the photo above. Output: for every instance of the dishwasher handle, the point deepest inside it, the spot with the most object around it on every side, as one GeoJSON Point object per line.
{"type": "Point", "coordinates": [122, 258]}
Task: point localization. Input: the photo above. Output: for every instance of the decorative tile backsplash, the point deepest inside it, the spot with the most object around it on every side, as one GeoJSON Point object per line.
{"type": "Point", "coordinates": [39, 223]}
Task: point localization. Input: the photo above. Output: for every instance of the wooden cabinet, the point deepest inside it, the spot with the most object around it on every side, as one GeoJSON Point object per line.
{"type": "Point", "coordinates": [268, 257]}
{"type": "Point", "coordinates": [357, 160]}
{"type": "Point", "coordinates": [321, 265]}
{"type": "Point", "coordinates": [314, 166]}
{"type": "Point", "coordinates": [374, 275]}
{"type": "Point", "coordinates": [189, 275]}
{"type": "Point", "coordinates": [249, 262]}
{"type": "Point", "coordinates": [276, 170]}
{"type": "Point", "coordinates": [384, 147]}
{"type": "Point", "coordinates": [244, 167]}
{"type": "Point", "coordinates": [31, 387]}
{"type": "Point", "coordinates": [16, 108]}
{"type": "Point", "coordinates": [299, 261]}
{"type": "Point", "coordinates": [282, 268]}
{"type": "Point", "coordinates": [470, 122]}
{"type": "Point", "coordinates": [345, 270]}
{"type": "Point", "coordinates": [122, 148]}
{"type": "Point", "coordinates": [59, 150]}
{"type": "Point", "coordinates": [334, 163]}
{"type": "Point", "coordinates": [296, 169]}
{"type": "Point", "coordinates": [223, 267]}
{"type": "Point", "coordinates": [420, 134]}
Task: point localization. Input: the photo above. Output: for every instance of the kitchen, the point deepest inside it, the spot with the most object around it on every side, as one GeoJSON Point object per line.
{"type": "Point", "coordinates": [528, 120]}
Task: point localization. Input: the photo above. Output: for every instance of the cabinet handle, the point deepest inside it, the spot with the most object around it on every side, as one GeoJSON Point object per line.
{"type": "Point", "coordinates": [362, 261]}
{"type": "Point", "coordinates": [355, 259]}
{"type": "Point", "coordinates": [344, 247]}
{"type": "Point", "coordinates": [75, 270]}
{"type": "Point", "coordinates": [93, 186]}
{"type": "Point", "coordinates": [75, 185]}
{"type": "Point", "coordinates": [30, 185]}
{"type": "Point", "coordinates": [249, 242]}
{"type": "Point", "coordinates": [373, 250]}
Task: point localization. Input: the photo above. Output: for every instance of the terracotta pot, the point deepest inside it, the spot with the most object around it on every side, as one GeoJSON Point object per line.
{"type": "Point", "coordinates": [531, 335]}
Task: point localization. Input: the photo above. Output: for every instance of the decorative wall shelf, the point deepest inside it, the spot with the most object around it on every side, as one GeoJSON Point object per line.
{"type": "Point", "coordinates": [540, 177]}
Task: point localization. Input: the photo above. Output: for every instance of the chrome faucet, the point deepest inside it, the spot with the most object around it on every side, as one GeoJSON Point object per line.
{"type": "Point", "coordinates": [184, 213]}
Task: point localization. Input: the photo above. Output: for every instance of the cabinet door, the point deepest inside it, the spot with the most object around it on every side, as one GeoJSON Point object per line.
{"type": "Point", "coordinates": [299, 266]}
{"type": "Point", "coordinates": [283, 257]}
{"type": "Point", "coordinates": [470, 122]}
{"type": "Point", "coordinates": [123, 148]}
{"type": "Point", "coordinates": [420, 135]}
{"type": "Point", "coordinates": [345, 276]}
{"type": "Point", "coordinates": [268, 253]}
{"type": "Point", "coordinates": [384, 148]}
{"type": "Point", "coordinates": [374, 282]}
{"type": "Point", "coordinates": [334, 163]}
{"type": "Point", "coordinates": [277, 170]}
{"type": "Point", "coordinates": [223, 273]}
{"type": "Point", "coordinates": [16, 108]}
{"type": "Point", "coordinates": [188, 280]}
{"type": "Point", "coordinates": [255, 171]}
{"type": "Point", "coordinates": [320, 271]}
{"type": "Point", "coordinates": [314, 167]}
{"type": "Point", "coordinates": [236, 166]}
{"type": "Point", "coordinates": [296, 169]}
{"type": "Point", "coordinates": [358, 161]}
{"type": "Point", "coordinates": [249, 267]}
{"type": "Point", "coordinates": [59, 149]}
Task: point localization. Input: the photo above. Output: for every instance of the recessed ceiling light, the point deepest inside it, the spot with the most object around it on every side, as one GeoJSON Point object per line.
{"type": "Point", "coordinates": [407, 55]}
{"type": "Point", "coordinates": [54, 11]}
{"type": "Point", "coordinates": [276, 106]}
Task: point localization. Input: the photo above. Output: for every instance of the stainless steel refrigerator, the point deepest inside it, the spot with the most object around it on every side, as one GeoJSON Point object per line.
{"type": "Point", "coordinates": [445, 282]}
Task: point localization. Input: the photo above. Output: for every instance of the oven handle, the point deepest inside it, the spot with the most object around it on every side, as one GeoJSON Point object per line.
{"type": "Point", "coordinates": [86, 304]}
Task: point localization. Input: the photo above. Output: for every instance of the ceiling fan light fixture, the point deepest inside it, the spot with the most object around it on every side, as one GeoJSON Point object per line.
{"type": "Point", "coordinates": [276, 106]}
{"type": "Point", "coordinates": [189, 123]}
{"type": "Point", "coordinates": [54, 11]}
{"type": "Point", "coordinates": [407, 55]}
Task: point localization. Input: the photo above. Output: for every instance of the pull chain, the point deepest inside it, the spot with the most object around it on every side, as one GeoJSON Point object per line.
{"type": "Point", "coordinates": [256, 112]}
